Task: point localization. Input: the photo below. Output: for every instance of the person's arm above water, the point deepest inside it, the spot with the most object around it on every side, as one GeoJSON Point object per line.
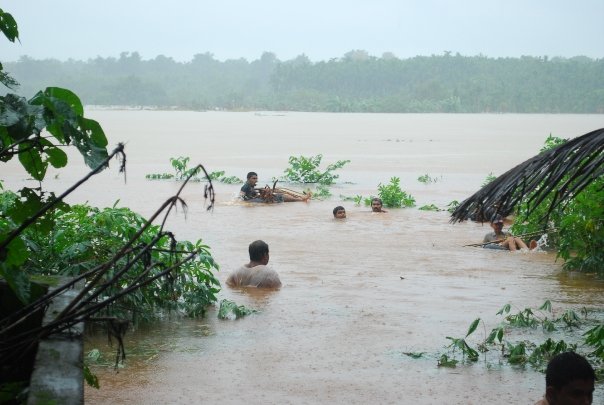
{"type": "Point", "coordinates": [247, 192]}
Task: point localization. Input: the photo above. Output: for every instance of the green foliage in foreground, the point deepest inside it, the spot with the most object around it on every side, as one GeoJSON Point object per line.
{"type": "Point", "coordinates": [588, 333]}
{"type": "Point", "coordinates": [40, 235]}
{"type": "Point", "coordinates": [84, 237]}
{"type": "Point", "coordinates": [36, 131]}
{"type": "Point", "coordinates": [182, 172]}
{"type": "Point", "coordinates": [580, 224]}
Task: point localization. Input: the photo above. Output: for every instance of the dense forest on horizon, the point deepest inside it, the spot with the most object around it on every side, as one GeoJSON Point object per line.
{"type": "Point", "coordinates": [356, 82]}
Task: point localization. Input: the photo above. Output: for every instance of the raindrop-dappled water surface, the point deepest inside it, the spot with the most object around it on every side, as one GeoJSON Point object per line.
{"type": "Point", "coordinates": [356, 293]}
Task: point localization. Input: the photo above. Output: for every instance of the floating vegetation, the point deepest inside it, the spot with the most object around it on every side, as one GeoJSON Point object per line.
{"type": "Point", "coordinates": [429, 207]}
{"type": "Point", "coordinates": [427, 179]}
{"type": "Point", "coordinates": [452, 206]}
{"type": "Point", "coordinates": [182, 172]}
{"type": "Point", "coordinates": [414, 355]}
{"type": "Point", "coordinates": [230, 310]}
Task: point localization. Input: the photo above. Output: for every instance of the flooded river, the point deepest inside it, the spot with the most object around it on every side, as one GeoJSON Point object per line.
{"type": "Point", "coordinates": [356, 294]}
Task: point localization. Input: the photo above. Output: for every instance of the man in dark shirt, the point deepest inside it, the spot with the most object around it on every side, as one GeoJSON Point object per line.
{"type": "Point", "coordinates": [248, 190]}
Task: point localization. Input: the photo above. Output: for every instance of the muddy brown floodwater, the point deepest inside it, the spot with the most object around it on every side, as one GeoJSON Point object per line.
{"type": "Point", "coordinates": [356, 293]}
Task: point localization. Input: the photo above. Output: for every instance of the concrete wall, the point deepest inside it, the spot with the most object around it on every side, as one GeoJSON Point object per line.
{"type": "Point", "coordinates": [58, 374]}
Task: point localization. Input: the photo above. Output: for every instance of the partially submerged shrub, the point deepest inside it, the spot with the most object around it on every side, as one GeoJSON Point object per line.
{"type": "Point", "coordinates": [393, 196]}
{"type": "Point", "coordinates": [305, 169]}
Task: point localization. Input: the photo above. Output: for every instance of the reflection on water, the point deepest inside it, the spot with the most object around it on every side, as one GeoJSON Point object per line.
{"type": "Point", "coordinates": [356, 293]}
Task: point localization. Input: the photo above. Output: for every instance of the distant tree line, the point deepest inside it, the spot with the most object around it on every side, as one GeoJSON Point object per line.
{"type": "Point", "coordinates": [356, 82]}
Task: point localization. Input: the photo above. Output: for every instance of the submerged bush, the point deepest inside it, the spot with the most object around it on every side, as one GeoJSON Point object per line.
{"type": "Point", "coordinates": [305, 169]}
{"type": "Point", "coordinates": [393, 196]}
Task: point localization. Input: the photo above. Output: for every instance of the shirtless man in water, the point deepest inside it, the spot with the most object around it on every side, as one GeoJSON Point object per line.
{"type": "Point", "coordinates": [255, 273]}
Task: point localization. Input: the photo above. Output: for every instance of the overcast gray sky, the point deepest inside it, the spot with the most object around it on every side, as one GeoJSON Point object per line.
{"type": "Point", "coordinates": [320, 29]}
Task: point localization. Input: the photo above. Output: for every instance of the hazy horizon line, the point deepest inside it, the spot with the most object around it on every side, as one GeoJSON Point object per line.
{"type": "Point", "coordinates": [386, 55]}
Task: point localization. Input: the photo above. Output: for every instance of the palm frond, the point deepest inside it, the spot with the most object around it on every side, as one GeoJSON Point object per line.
{"type": "Point", "coordinates": [562, 172]}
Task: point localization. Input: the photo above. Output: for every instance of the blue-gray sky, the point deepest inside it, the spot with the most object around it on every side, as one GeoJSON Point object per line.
{"type": "Point", "coordinates": [323, 29]}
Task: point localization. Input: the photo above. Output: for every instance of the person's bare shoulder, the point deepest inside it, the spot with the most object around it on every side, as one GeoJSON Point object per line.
{"type": "Point", "coordinates": [230, 281]}
{"type": "Point", "coordinates": [271, 279]}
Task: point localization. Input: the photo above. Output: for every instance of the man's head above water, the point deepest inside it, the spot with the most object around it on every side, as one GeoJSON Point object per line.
{"type": "Point", "coordinates": [252, 178]}
{"type": "Point", "coordinates": [259, 252]}
{"type": "Point", "coordinates": [569, 380]}
{"type": "Point", "coordinates": [377, 204]}
{"type": "Point", "coordinates": [497, 223]}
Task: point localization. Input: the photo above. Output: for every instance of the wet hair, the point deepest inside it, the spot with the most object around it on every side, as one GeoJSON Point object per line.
{"type": "Point", "coordinates": [258, 249]}
{"type": "Point", "coordinates": [377, 199]}
{"type": "Point", "coordinates": [567, 367]}
{"type": "Point", "coordinates": [338, 208]}
{"type": "Point", "coordinates": [250, 174]}
{"type": "Point", "coordinates": [495, 219]}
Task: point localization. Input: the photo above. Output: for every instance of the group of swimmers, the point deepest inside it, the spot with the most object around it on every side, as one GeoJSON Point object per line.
{"type": "Point", "coordinates": [498, 239]}
{"type": "Point", "coordinates": [569, 376]}
{"type": "Point", "coordinates": [377, 205]}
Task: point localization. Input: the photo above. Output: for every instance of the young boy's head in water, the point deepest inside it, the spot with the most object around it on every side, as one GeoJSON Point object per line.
{"type": "Point", "coordinates": [339, 212]}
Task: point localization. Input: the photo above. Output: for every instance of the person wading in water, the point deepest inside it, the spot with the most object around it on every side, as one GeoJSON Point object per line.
{"type": "Point", "coordinates": [255, 273]}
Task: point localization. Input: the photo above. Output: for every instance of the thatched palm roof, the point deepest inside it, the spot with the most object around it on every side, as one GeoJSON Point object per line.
{"type": "Point", "coordinates": [565, 170]}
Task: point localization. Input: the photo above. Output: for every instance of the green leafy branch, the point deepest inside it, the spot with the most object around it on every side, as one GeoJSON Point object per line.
{"type": "Point", "coordinates": [305, 169]}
